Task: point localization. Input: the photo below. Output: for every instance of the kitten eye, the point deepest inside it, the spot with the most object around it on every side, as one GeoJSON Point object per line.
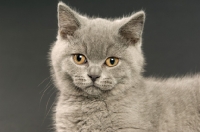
{"type": "Point", "coordinates": [79, 59]}
{"type": "Point", "coordinates": [112, 61]}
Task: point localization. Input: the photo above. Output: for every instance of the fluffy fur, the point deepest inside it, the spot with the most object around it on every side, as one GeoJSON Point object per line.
{"type": "Point", "coordinates": [121, 99]}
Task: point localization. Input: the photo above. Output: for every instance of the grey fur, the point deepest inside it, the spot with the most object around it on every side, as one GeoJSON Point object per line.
{"type": "Point", "coordinates": [121, 99]}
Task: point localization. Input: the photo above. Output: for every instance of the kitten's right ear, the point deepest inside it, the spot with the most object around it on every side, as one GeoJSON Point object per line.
{"type": "Point", "coordinates": [68, 20]}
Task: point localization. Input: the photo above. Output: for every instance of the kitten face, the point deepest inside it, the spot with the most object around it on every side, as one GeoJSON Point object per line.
{"type": "Point", "coordinates": [96, 40]}
{"type": "Point", "coordinates": [96, 52]}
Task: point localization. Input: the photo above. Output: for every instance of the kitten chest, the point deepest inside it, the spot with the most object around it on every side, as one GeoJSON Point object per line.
{"type": "Point", "coordinates": [98, 116]}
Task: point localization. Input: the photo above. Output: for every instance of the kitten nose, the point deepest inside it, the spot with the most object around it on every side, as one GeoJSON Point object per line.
{"type": "Point", "coordinates": [93, 77]}
{"type": "Point", "coordinates": [94, 72]}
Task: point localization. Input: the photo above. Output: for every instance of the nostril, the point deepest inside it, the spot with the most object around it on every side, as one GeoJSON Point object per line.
{"type": "Point", "coordinates": [93, 77]}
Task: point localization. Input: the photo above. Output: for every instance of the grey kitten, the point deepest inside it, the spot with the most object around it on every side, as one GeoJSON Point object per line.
{"type": "Point", "coordinates": [97, 66]}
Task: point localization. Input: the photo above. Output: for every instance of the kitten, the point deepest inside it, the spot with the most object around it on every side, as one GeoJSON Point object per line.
{"type": "Point", "coordinates": [97, 66]}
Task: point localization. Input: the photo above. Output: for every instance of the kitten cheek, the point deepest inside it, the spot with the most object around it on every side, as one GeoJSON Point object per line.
{"type": "Point", "coordinates": [67, 67]}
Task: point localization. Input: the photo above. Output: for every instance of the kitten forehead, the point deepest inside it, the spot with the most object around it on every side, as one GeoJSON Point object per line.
{"type": "Point", "coordinates": [99, 27]}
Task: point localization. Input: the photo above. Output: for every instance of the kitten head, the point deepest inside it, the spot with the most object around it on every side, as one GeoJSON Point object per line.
{"type": "Point", "coordinates": [93, 55]}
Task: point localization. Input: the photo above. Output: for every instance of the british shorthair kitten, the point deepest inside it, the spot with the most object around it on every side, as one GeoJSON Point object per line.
{"type": "Point", "coordinates": [97, 66]}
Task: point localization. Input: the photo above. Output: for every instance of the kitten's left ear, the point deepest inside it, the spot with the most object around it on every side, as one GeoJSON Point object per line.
{"type": "Point", "coordinates": [133, 27]}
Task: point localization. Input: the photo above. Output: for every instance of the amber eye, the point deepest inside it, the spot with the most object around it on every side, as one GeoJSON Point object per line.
{"type": "Point", "coordinates": [79, 59]}
{"type": "Point", "coordinates": [112, 61]}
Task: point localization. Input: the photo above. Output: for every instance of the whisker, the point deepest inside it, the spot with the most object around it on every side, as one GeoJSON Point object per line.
{"type": "Point", "coordinates": [44, 92]}
{"type": "Point", "coordinates": [49, 99]}
{"type": "Point", "coordinates": [47, 86]}
{"type": "Point", "coordinates": [44, 81]}
{"type": "Point", "coordinates": [51, 89]}
{"type": "Point", "coordinates": [48, 111]}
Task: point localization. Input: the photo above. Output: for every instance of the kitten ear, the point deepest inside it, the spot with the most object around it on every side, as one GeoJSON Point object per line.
{"type": "Point", "coordinates": [68, 21]}
{"type": "Point", "coordinates": [133, 27]}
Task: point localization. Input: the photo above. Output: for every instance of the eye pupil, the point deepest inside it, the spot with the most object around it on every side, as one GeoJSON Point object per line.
{"type": "Point", "coordinates": [112, 61]}
{"type": "Point", "coordinates": [79, 57]}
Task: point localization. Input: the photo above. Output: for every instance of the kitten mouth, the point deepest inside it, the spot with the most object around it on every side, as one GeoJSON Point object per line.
{"type": "Point", "coordinates": [93, 90]}
{"type": "Point", "coordinates": [93, 86]}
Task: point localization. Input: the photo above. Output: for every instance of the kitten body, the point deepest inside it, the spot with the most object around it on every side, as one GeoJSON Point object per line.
{"type": "Point", "coordinates": [120, 99]}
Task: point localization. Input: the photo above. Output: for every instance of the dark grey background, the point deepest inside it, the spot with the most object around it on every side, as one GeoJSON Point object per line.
{"type": "Point", "coordinates": [27, 28]}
